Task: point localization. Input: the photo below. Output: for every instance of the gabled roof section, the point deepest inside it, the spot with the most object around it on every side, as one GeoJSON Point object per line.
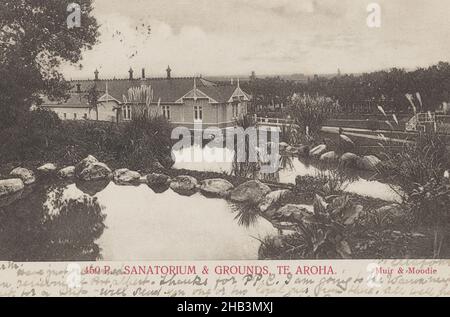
{"type": "Point", "coordinates": [238, 92]}
{"type": "Point", "coordinates": [196, 94]}
{"type": "Point", "coordinates": [107, 97]}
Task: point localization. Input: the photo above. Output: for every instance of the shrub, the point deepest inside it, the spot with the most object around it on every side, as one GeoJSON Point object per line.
{"type": "Point", "coordinates": [41, 137]}
{"type": "Point", "coordinates": [31, 138]}
{"type": "Point", "coordinates": [320, 235]}
{"type": "Point", "coordinates": [418, 162]}
{"type": "Point", "coordinates": [309, 112]}
{"type": "Point", "coordinates": [429, 205]}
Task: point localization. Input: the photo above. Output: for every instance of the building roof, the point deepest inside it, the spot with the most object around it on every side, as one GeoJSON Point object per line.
{"type": "Point", "coordinates": [165, 90]}
{"type": "Point", "coordinates": [76, 100]}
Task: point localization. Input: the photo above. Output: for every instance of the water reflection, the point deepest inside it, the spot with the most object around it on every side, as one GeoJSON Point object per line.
{"type": "Point", "coordinates": [360, 182]}
{"type": "Point", "coordinates": [63, 223]}
{"type": "Point", "coordinates": [93, 187]}
{"type": "Point", "coordinates": [143, 225]}
{"type": "Point", "coordinates": [46, 226]}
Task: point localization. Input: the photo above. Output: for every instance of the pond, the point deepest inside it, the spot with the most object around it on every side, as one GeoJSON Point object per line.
{"type": "Point", "coordinates": [221, 160]}
{"type": "Point", "coordinates": [102, 220]}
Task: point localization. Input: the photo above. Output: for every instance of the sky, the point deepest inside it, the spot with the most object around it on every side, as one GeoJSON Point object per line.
{"type": "Point", "coordinates": [235, 37]}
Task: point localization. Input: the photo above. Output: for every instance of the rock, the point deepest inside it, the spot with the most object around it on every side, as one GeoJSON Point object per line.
{"type": "Point", "coordinates": [143, 179]}
{"type": "Point", "coordinates": [216, 187]}
{"type": "Point", "coordinates": [283, 146]}
{"type": "Point", "coordinates": [272, 198]}
{"type": "Point", "coordinates": [329, 157]}
{"type": "Point", "coordinates": [84, 163]}
{"type": "Point", "coordinates": [159, 183]}
{"type": "Point", "coordinates": [10, 186]}
{"type": "Point", "coordinates": [391, 214]}
{"type": "Point", "coordinates": [368, 162]}
{"type": "Point", "coordinates": [318, 150]}
{"type": "Point", "coordinates": [26, 175]}
{"type": "Point", "coordinates": [349, 159]}
{"type": "Point", "coordinates": [47, 168]}
{"type": "Point", "coordinates": [95, 171]}
{"type": "Point", "coordinates": [125, 176]}
{"type": "Point", "coordinates": [184, 185]}
{"type": "Point", "coordinates": [155, 179]}
{"type": "Point", "coordinates": [292, 212]}
{"type": "Point", "coordinates": [303, 150]}
{"type": "Point", "coordinates": [251, 191]}
{"type": "Point", "coordinates": [66, 172]}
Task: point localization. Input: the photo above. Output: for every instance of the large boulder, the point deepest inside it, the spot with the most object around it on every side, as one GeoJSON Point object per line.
{"type": "Point", "coordinates": [368, 162]}
{"type": "Point", "coordinates": [95, 171]}
{"type": "Point", "coordinates": [318, 151]}
{"type": "Point", "coordinates": [292, 212]}
{"type": "Point", "coordinates": [10, 186]}
{"type": "Point", "coordinates": [84, 163]}
{"type": "Point", "coordinates": [159, 183]}
{"type": "Point", "coordinates": [26, 175]}
{"type": "Point", "coordinates": [184, 185]}
{"type": "Point", "coordinates": [216, 187]}
{"type": "Point", "coordinates": [329, 157]}
{"type": "Point", "coordinates": [252, 191]}
{"type": "Point", "coordinates": [349, 159]}
{"type": "Point", "coordinates": [155, 179]}
{"type": "Point", "coordinates": [125, 176]}
{"type": "Point", "coordinates": [272, 198]}
{"type": "Point", "coordinates": [66, 172]}
{"type": "Point", "coordinates": [48, 168]}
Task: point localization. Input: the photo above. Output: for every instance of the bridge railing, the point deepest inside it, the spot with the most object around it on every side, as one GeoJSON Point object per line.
{"type": "Point", "coordinates": [273, 121]}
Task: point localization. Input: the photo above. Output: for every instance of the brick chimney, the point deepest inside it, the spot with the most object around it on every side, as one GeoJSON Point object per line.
{"type": "Point", "coordinates": [96, 74]}
{"type": "Point", "coordinates": [143, 73]}
{"type": "Point", "coordinates": [168, 70]}
{"type": "Point", "coordinates": [131, 73]}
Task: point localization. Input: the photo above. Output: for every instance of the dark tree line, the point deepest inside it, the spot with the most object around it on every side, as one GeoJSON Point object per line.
{"type": "Point", "coordinates": [34, 40]}
{"type": "Point", "coordinates": [365, 92]}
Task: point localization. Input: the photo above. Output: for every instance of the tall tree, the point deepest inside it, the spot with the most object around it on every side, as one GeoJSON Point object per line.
{"type": "Point", "coordinates": [34, 40]}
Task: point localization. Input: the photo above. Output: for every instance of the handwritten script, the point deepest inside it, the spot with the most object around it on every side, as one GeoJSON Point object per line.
{"type": "Point", "coordinates": [200, 279]}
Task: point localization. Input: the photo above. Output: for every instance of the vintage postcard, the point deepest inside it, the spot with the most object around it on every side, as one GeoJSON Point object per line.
{"type": "Point", "coordinates": [234, 148]}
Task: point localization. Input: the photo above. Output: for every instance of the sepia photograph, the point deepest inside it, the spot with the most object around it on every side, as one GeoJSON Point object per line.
{"type": "Point", "coordinates": [233, 130]}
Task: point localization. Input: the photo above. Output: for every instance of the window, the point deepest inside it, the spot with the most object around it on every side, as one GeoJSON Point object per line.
{"type": "Point", "coordinates": [166, 112]}
{"type": "Point", "coordinates": [74, 116]}
{"type": "Point", "coordinates": [235, 110]}
{"type": "Point", "coordinates": [65, 115]}
{"type": "Point", "coordinates": [198, 113]}
{"type": "Point", "coordinates": [127, 112]}
{"type": "Point", "coordinates": [85, 116]}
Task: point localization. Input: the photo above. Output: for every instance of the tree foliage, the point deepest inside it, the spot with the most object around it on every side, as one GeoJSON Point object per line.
{"type": "Point", "coordinates": [309, 112]}
{"type": "Point", "coordinates": [363, 92]}
{"type": "Point", "coordinates": [34, 41]}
